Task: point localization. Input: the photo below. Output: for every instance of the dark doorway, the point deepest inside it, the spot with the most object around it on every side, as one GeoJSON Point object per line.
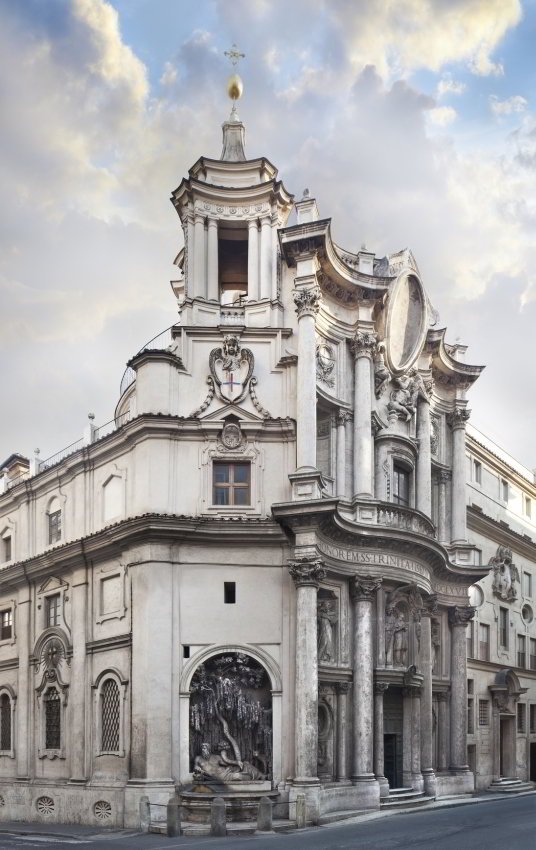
{"type": "Point", "coordinates": [390, 760]}
{"type": "Point", "coordinates": [532, 776]}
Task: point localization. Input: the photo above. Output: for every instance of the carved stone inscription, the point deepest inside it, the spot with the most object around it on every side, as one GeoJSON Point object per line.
{"type": "Point", "coordinates": [368, 557]}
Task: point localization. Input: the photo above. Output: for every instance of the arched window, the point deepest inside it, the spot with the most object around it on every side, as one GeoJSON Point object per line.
{"type": "Point", "coordinates": [110, 719]}
{"type": "Point", "coordinates": [5, 723]}
{"type": "Point", "coordinates": [52, 719]}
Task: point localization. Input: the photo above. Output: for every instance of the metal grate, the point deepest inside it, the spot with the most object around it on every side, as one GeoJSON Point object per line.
{"type": "Point", "coordinates": [110, 716]}
{"type": "Point", "coordinates": [5, 722]}
{"type": "Point", "coordinates": [52, 720]}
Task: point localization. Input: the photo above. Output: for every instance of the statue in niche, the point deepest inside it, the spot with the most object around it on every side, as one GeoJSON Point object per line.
{"type": "Point", "coordinates": [396, 646]}
{"type": "Point", "coordinates": [230, 720]}
{"type": "Point", "coordinates": [221, 768]}
{"type": "Point", "coordinates": [408, 389]}
{"type": "Point", "coordinates": [505, 574]}
{"type": "Point", "coordinates": [327, 617]}
{"type": "Point", "coordinates": [436, 641]}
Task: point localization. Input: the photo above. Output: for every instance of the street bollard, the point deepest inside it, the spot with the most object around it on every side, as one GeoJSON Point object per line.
{"type": "Point", "coordinates": [300, 811]}
{"type": "Point", "coordinates": [145, 814]}
{"type": "Point", "coordinates": [173, 817]}
{"type": "Point", "coordinates": [218, 825]}
{"type": "Point", "coordinates": [264, 815]}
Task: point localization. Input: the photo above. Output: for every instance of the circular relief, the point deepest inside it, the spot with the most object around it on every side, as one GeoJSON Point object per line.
{"type": "Point", "coordinates": [406, 322]}
{"type": "Point", "coordinates": [45, 806]}
{"type": "Point", "coordinates": [476, 596]}
{"type": "Point", "coordinates": [527, 613]}
{"type": "Point", "coordinates": [102, 810]}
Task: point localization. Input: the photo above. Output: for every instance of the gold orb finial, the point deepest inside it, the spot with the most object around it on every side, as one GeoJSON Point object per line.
{"type": "Point", "coordinates": [235, 86]}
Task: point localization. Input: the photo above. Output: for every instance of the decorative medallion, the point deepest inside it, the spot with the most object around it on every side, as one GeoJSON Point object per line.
{"type": "Point", "coordinates": [45, 805]}
{"type": "Point", "coordinates": [231, 436]}
{"type": "Point", "coordinates": [102, 810]}
{"type": "Point", "coordinates": [325, 364]}
{"type": "Point", "coordinates": [406, 322]}
{"type": "Point", "coordinates": [231, 368]}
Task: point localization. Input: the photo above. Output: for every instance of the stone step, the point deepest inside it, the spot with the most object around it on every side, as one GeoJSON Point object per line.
{"type": "Point", "coordinates": [343, 814]}
{"type": "Point", "coordinates": [200, 830]}
{"type": "Point", "coordinates": [409, 801]}
{"type": "Point", "coordinates": [506, 785]}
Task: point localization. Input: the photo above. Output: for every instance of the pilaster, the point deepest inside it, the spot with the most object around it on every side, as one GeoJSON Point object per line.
{"type": "Point", "coordinates": [458, 621]}
{"type": "Point", "coordinates": [457, 420]}
{"type": "Point", "coordinates": [363, 346]}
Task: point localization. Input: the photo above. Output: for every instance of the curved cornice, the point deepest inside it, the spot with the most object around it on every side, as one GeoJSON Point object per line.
{"type": "Point", "coordinates": [445, 368]}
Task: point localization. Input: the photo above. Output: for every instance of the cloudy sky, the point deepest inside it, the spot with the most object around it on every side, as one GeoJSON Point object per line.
{"type": "Point", "coordinates": [411, 121]}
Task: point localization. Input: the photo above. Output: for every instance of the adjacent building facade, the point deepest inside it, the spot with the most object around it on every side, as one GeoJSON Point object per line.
{"type": "Point", "coordinates": [255, 580]}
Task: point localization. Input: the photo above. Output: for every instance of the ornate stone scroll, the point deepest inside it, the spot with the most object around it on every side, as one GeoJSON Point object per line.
{"type": "Point", "coordinates": [505, 574]}
{"type": "Point", "coordinates": [307, 301]}
{"type": "Point", "coordinates": [306, 571]}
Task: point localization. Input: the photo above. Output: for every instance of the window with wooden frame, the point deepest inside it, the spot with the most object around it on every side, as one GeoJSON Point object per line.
{"type": "Point", "coordinates": [52, 609]}
{"type": "Point", "coordinates": [231, 484]}
{"type": "Point", "coordinates": [6, 624]}
{"type": "Point", "coordinates": [401, 485]}
{"type": "Point", "coordinates": [54, 527]}
{"type": "Point", "coordinates": [484, 642]}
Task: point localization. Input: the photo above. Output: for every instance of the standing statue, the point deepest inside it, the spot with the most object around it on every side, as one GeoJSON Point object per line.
{"type": "Point", "coordinates": [327, 617]}
{"type": "Point", "coordinates": [395, 638]}
{"type": "Point", "coordinates": [436, 640]}
{"type": "Point", "coordinates": [382, 376]}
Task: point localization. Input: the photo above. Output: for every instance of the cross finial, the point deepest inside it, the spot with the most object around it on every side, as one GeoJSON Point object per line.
{"type": "Point", "coordinates": [234, 56]}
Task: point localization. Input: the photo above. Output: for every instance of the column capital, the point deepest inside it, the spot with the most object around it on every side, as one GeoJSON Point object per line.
{"type": "Point", "coordinates": [458, 417]}
{"type": "Point", "coordinates": [364, 344]}
{"type": "Point", "coordinates": [380, 687]}
{"type": "Point", "coordinates": [363, 588]}
{"type": "Point", "coordinates": [199, 217]}
{"type": "Point", "coordinates": [306, 571]}
{"type": "Point", "coordinates": [443, 475]}
{"type": "Point", "coordinates": [441, 696]}
{"type": "Point", "coordinates": [307, 301]}
{"type": "Point", "coordinates": [430, 606]}
{"type": "Point", "coordinates": [459, 616]}
{"type": "Point", "coordinates": [212, 221]}
{"type": "Point", "coordinates": [253, 224]}
{"type": "Point", "coordinates": [342, 687]}
{"type": "Point", "coordinates": [343, 416]}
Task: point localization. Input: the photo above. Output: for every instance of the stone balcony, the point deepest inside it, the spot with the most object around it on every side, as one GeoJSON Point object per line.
{"type": "Point", "coordinates": [388, 515]}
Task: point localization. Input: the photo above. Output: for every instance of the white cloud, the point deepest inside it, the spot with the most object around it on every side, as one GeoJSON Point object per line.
{"type": "Point", "coordinates": [516, 103]}
{"type": "Point", "coordinates": [169, 75]}
{"type": "Point", "coordinates": [442, 115]}
{"type": "Point", "coordinates": [447, 86]}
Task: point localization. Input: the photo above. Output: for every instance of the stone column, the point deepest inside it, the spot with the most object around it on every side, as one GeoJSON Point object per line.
{"type": "Point", "coordinates": [342, 418]}
{"type": "Point", "coordinates": [427, 723]}
{"type": "Point", "coordinates": [342, 689]}
{"type": "Point", "coordinates": [253, 260]}
{"type": "Point", "coordinates": [458, 620]}
{"type": "Point", "coordinates": [363, 591]}
{"type": "Point", "coordinates": [213, 285]}
{"type": "Point", "coordinates": [424, 457]}
{"type": "Point", "coordinates": [78, 696]}
{"type": "Point", "coordinates": [363, 346]}
{"type": "Point", "coordinates": [379, 760]}
{"type": "Point", "coordinates": [23, 684]}
{"type": "Point", "coordinates": [307, 573]}
{"type": "Point", "coordinates": [496, 739]}
{"type": "Point", "coordinates": [457, 420]}
{"type": "Point", "coordinates": [307, 305]}
{"type": "Point", "coordinates": [442, 738]}
{"type": "Point", "coordinates": [407, 719]}
{"type": "Point", "coordinates": [416, 775]}
{"type": "Point", "coordinates": [266, 258]}
{"type": "Point", "coordinates": [444, 477]}
{"type": "Point", "coordinates": [199, 287]}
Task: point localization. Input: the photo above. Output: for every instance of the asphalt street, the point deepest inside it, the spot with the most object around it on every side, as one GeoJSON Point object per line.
{"type": "Point", "coordinates": [506, 824]}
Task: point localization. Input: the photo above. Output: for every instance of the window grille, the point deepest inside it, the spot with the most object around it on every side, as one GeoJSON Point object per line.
{"type": "Point", "coordinates": [110, 716]}
{"type": "Point", "coordinates": [6, 624]}
{"type": "Point", "coordinates": [483, 712]}
{"type": "Point", "coordinates": [521, 717]}
{"type": "Point", "coordinates": [52, 720]}
{"type": "Point", "coordinates": [5, 722]}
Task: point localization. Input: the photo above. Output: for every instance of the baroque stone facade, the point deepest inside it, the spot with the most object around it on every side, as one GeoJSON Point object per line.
{"type": "Point", "coordinates": [257, 580]}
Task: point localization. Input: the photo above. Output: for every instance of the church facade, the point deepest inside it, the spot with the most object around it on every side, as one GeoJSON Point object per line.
{"type": "Point", "coordinates": [256, 579]}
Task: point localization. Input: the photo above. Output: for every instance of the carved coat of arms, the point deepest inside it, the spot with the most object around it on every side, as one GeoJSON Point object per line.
{"type": "Point", "coordinates": [231, 368]}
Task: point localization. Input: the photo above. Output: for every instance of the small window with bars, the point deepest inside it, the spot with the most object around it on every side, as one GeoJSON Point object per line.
{"type": "Point", "coordinates": [521, 651]}
{"type": "Point", "coordinates": [521, 717]}
{"type": "Point", "coordinates": [110, 706]}
{"type": "Point", "coordinates": [231, 484]}
{"type": "Point", "coordinates": [5, 723]}
{"type": "Point", "coordinates": [6, 624]}
{"type": "Point", "coordinates": [52, 703]}
{"type": "Point", "coordinates": [483, 712]}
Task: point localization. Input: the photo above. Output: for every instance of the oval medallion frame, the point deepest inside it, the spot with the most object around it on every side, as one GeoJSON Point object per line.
{"type": "Point", "coordinates": [407, 298]}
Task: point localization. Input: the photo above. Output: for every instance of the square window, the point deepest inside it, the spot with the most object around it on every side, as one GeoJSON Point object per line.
{"type": "Point", "coordinates": [52, 610]}
{"type": "Point", "coordinates": [229, 592]}
{"type": "Point", "coordinates": [231, 484]}
{"type": "Point", "coordinates": [6, 624]}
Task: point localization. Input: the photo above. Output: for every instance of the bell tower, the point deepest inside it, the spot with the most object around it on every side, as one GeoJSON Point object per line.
{"type": "Point", "coordinates": [230, 211]}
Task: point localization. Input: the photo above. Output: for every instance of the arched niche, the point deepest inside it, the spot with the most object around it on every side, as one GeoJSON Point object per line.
{"type": "Point", "coordinates": [269, 691]}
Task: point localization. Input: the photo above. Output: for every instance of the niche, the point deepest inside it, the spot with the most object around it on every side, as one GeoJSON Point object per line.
{"type": "Point", "coordinates": [233, 262]}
